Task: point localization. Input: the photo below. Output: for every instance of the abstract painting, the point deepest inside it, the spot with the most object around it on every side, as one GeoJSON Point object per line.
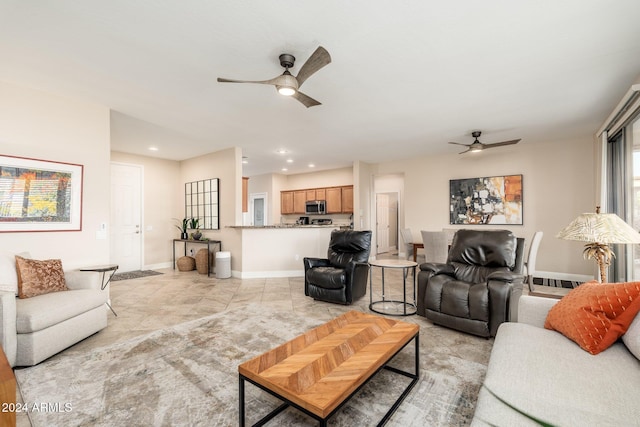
{"type": "Point", "coordinates": [39, 195]}
{"type": "Point", "coordinates": [494, 200]}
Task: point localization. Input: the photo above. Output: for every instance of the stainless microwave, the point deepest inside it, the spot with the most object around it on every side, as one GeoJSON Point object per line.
{"type": "Point", "coordinates": [315, 207]}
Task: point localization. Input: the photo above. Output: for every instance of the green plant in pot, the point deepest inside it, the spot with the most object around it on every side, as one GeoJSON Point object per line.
{"type": "Point", "coordinates": [194, 224]}
{"type": "Point", "coordinates": [183, 226]}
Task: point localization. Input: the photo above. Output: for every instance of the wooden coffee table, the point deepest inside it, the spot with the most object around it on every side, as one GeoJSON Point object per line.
{"type": "Point", "coordinates": [322, 369]}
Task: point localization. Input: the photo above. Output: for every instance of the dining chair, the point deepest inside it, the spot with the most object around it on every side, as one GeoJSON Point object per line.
{"type": "Point", "coordinates": [407, 236]}
{"type": "Point", "coordinates": [436, 246]}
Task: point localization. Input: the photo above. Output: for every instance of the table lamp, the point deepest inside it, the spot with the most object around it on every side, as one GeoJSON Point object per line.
{"type": "Point", "coordinates": [600, 230]}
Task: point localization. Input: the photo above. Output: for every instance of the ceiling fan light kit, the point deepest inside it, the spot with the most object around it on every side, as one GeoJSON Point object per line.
{"type": "Point", "coordinates": [477, 146]}
{"type": "Point", "coordinates": [288, 85]}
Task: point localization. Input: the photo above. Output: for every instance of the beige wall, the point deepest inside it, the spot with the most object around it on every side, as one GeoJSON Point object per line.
{"type": "Point", "coordinates": [43, 126]}
{"type": "Point", "coordinates": [558, 185]}
{"type": "Point", "coordinates": [327, 178]}
{"type": "Point", "coordinates": [227, 166]}
{"type": "Point", "coordinates": [163, 201]}
{"type": "Point", "coordinates": [362, 190]}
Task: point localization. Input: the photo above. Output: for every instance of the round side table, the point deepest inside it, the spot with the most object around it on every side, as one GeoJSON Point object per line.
{"type": "Point", "coordinates": [390, 306]}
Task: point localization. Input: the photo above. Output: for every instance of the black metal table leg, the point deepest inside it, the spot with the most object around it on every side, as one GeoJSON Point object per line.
{"type": "Point", "coordinates": [241, 409]}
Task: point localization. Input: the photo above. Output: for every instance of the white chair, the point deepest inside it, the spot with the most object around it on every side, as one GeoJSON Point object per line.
{"type": "Point", "coordinates": [436, 246]}
{"type": "Point", "coordinates": [407, 236]}
{"type": "Point", "coordinates": [530, 263]}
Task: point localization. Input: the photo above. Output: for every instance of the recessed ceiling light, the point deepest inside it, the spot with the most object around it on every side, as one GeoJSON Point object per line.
{"type": "Point", "coordinates": [289, 160]}
{"type": "Point", "coordinates": [284, 169]}
{"type": "Point", "coordinates": [282, 151]}
{"type": "Point", "coordinates": [311, 165]}
{"type": "Point", "coordinates": [153, 148]}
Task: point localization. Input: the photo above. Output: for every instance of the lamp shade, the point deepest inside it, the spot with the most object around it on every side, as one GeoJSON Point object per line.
{"type": "Point", "coordinates": [603, 228]}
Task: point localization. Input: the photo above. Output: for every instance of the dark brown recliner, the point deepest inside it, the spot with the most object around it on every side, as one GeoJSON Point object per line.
{"type": "Point", "coordinates": [342, 276]}
{"type": "Point", "coordinates": [478, 287]}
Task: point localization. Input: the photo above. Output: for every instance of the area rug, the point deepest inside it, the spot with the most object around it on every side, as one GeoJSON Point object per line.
{"type": "Point", "coordinates": [186, 375]}
{"type": "Point", "coordinates": [134, 275]}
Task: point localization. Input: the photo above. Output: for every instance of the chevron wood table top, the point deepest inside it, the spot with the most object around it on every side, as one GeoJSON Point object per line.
{"type": "Point", "coordinates": [321, 368]}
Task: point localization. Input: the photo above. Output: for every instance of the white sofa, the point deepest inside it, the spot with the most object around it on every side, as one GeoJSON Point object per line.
{"type": "Point", "coordinates": [36, 328]}
{"type": "Point", "coordinates": [550, 378]}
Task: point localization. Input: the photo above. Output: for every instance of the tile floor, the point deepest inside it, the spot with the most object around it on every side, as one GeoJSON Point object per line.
{"type": "Point", "coordinates": [150, 303]}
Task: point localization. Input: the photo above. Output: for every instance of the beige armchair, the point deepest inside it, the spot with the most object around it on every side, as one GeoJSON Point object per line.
{"type": "Point", "coordinates": [34, 329]}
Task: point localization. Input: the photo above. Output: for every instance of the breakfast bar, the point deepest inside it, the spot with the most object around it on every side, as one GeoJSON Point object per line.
{"type": "Point", "coordinates": [259, 258]}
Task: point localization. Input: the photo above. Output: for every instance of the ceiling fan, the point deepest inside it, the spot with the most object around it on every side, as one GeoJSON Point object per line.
{"type": "Point", "coordinates": [287, 84]}
{"type": "Point", "coordinates": [477, 146]}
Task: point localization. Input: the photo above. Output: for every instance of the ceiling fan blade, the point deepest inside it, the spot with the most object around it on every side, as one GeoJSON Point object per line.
{"type": "Point", "coordinates": [457, 143]}
{"type": "Point", "coordinates": [307, 101]}
{"type": "Point", "coordinates": [316, 61]}
{"type": "Point", "coordinates": [264, 82]}
{"type": "Point", "coordinates": [498, 144]}
{"type": "Point", "coordinates": [465, 151]}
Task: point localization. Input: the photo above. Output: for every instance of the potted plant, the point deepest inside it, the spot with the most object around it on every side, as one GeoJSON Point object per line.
{"type": "Point", "coordinates": [183, 226]}
{"type": "Point", "coordinates": [194, 224]}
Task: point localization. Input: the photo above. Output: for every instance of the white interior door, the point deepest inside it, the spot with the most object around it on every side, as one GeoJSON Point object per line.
{"type": "Point", "coordinates": [126, 217]}
{"type": "Point", "coordinates": [258, 208]}
{"type": "Point", "coordinates": [382, 223]}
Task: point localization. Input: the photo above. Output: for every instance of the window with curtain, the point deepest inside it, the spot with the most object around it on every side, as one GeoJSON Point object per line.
{"type": "Point", "coordinates": [622, 180]}
{"type": "Point", "coordinates": [634, 131]}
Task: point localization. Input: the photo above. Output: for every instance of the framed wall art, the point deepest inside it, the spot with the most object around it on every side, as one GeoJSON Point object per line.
{"type": "Point", "coordinates": [493, 200]}
{"type": "Point", "coordinates": [39, 195]}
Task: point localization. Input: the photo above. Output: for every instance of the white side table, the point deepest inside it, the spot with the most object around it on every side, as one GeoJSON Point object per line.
{"type": "Point", "coordinates": [390, 306]}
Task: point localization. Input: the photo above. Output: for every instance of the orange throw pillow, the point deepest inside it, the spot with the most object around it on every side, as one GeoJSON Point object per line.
{"type": "Point", "coordinates": [39, 277]}
{"type": "Point", "coordinates": [595, 315]}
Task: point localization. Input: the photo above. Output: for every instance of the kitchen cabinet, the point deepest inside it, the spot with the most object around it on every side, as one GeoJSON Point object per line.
{"type": "Point", "coordinates": [316, 194]}
{"type": "Point", "coordinates": [286, 202]}
{"type": "Point", "coordinates": [334, 200]}
{"type": "Point", "coordinates": [299, 201]}
{"type": "Point", "coordinates": [293, 202]}
{"type": "Point", "coordinates": [338, 199]}
{"type": "Point", "coordinates": [347, 199]}
{"type": "Point", "coordinates": [245, 194]}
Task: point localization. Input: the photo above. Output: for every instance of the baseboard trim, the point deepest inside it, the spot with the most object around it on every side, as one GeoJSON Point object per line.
{"type": "Point", "coordinates": [563, 276]}
{"type": "Point", "coordinates": [267, 274]}
{"type": "Point", "coordinates": [157, 266]}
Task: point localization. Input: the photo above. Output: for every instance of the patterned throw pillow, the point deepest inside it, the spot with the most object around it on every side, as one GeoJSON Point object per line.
{"type": "Point", "coordinates": [39, 277]}
{"type": "Point", "coordinates": [595, 315]}
{"type": "Point", "coordinates": [632, 337]}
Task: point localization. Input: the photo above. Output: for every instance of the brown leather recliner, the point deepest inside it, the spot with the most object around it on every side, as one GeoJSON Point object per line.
{"type": "Point", "coordinates": [342, 276]}
{"type": "Point", "coordinates": [478, 287]}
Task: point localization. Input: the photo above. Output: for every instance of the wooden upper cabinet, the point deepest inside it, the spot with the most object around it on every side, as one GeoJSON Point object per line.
{"type": "Point", "coordinates": [339, 199]}
{"type": "Point", "coordinates": [299, 201]}
{"type": "Point", "coordinates": [316, 194]}
{"type": "Point", "coordinates": [334, 200]}
{"type": "Point", "coordinates": [347, 199]}
{"type": "Point", "coordinates": [245, 194]}
{"type": "Point", "coordinates": [286, 202]}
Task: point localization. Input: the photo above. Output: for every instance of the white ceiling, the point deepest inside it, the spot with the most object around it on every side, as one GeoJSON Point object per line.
{"type": "Point", "coordinates": [406, 77]}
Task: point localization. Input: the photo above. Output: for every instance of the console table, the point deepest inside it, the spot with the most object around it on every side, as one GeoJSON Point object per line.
{"type": "Point", "coordinates": [201, 242]}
